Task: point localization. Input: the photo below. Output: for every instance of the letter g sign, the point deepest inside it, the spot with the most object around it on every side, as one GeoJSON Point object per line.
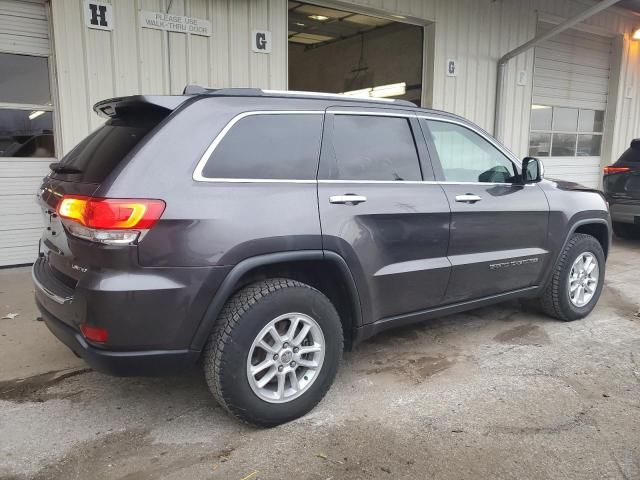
{"type": "Point", "coordinates": [261, 41]}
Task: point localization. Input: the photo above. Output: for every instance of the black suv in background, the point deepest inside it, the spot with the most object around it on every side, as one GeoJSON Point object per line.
{"type": "Point", "coordinates": [263, 232]}
{"type": "Point", "coordinates": [622, 190]}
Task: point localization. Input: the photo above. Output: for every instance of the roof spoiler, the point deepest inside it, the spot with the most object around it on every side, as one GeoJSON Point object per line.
{"type": "Point", "coordinates": [114, 107]}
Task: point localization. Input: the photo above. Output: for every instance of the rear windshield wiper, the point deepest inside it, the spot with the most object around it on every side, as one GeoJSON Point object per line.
{"type": "Point", "coordinates": [60, 167]}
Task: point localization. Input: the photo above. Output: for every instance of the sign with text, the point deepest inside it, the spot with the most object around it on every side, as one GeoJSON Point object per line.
{"type": "Point", "coordinates": [261, 41]}
{"type": "Point", "coordinates": [98, 15]}
{"type": "Point", "coordinates": [175, 23]}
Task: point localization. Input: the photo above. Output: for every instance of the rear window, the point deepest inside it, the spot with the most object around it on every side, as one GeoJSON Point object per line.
{"type": "Point", "coordinates": [100, 153]}
{"type": "Point", "coordinates": [268, 146]}
{"type": "Point", "coordinates": [631, 155]}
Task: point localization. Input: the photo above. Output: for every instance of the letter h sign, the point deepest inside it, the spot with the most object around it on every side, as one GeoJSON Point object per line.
{"type": "Point", "coordinates": [98, 15]}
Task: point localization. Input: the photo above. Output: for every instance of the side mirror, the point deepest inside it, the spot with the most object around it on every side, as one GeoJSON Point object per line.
{"type": "Point", "coordinates": [532, 170]}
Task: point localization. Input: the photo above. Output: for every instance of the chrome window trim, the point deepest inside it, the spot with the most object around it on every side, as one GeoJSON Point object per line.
{"type": "Point", "coordinates": [199, 177]}
{"type": "Point", "coordinates": [411, 114]}
{"type": "Point", "coordinates": [507, 153]}
{"type": "Point", "coordinates": [410, 182]}
{"type": "Point", "coordinates": [406, 114]}
{"type": "Point", "coordinates": [197, 173]}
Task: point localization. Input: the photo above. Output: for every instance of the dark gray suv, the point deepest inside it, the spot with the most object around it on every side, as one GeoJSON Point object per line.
{"type": "Point", "coordinates": [263, 232]}
{"type": "Point", "coordinates": [621, 184]}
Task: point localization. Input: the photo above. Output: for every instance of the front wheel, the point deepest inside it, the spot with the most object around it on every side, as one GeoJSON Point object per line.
{"type": "Point", "coordinates": [274, 352]}
{"type": "Point", "coordinates": [577, 279]}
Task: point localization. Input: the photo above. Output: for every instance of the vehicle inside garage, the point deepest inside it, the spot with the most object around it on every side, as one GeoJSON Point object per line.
{"type": "Point", "coordinates": [338, 51]}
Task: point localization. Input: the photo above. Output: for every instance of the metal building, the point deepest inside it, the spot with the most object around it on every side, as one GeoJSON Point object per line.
{"type": "Point", "coordinates": [573, 99]}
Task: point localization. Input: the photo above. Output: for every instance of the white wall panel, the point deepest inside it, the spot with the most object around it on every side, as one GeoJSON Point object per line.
{"type": "Point", "coordinates": [24, 27]}
{"type": "Point", "coordinates": [97, 64]}
{"type": "Point", "coordinates": [474, 32]}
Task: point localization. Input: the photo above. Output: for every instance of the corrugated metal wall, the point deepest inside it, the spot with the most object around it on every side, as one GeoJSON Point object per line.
{"type": "Point", "coordinates": [24, 27]}
{"type": "Point", "coordinates": [96, 64]}
{"type": "Point", "coordinates": [24, 30]}
{"type": "Point", "coordinates": [474, 32]}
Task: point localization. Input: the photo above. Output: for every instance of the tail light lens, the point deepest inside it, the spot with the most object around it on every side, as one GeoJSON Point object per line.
{"type": "Point", "coordinates": [610, 169]}
{"type": "Point", "coordinates": [109, 220]}
{"type": "Point", "coordinates": [94, 334]}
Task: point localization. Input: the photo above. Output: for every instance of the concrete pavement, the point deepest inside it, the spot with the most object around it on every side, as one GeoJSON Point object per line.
{"type": "Point", "coordinates": [498, 392]}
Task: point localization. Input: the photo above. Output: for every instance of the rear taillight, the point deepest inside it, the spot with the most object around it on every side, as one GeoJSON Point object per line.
{"type": "Point", "coordinates": [610, 169]}
{"type": "Point", "coordinates": [109, 220]}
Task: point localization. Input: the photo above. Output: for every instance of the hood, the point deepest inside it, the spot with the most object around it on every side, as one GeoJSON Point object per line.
{"type": "Point", "coordinates": [567, 185]}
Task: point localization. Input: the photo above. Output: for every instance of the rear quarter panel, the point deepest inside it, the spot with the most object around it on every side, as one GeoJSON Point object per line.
{"type": "Point", "coordinates": [214, 223]}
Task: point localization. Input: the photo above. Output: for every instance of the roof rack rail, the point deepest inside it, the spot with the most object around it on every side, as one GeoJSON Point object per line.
{"type": "Point", "coordinates": [256, 92]}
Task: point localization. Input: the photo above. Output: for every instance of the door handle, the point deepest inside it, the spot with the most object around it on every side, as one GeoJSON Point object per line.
{"type": "Point", "coordinates": [347, 199]}
{"type": "Point", "coordinates": [468, 198]}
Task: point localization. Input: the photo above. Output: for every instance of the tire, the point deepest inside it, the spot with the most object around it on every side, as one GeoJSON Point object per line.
{"type": "Point", "coordinates": [556, 301]}
{"type": "Point", "coordinates": [245, 317]}
{"type": "Point", "coordinates": [626, 230]}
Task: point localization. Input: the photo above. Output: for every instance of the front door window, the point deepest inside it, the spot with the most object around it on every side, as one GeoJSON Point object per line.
{"type": "Point", "coordinates": [467, 157]}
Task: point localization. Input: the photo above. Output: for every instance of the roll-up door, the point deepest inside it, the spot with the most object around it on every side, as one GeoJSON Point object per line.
{"type": "Point", "coordinates": [570, 93]}
{"type": "Point", "coordinates": [26, 125]}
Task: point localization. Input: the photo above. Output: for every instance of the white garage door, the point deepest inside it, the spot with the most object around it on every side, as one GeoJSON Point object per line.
{"type": "Point", "coordinates": [26, 126]}
{"type": "Point", "coordinates": [570, 89]}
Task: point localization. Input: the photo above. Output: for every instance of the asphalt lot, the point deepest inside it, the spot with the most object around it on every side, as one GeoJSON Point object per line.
{"type": "Point", "coordinates": [498, 392]}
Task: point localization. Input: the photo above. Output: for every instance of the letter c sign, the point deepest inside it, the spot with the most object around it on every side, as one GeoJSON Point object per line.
{"type": "Point", "coordinates": [261, 41]}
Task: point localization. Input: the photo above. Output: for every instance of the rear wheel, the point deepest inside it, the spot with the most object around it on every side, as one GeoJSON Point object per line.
{"type": "Point", "coordinates": [626, 230]}
{"type": "Point", "coordinates": [274, 352]}
{"type": "Point", "coordinates": [577, 279]}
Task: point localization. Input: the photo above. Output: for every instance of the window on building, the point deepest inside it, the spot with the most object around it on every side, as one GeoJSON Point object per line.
{"type": "Point", "coordinates": [274, 147]}
{"type": "Point", "coordinates": [26, 112]}
{"type": "Point", "coordinates": [368, 147]}
{"type": "Point", "coordinates": [465, 156]}
{"type": "Point", "coordinates": [565, 132]}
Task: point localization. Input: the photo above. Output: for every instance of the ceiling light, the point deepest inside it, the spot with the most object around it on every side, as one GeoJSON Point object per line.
{"type": "Point", "coordinates": [363, 92]}
{"type": "Point", "coordinates": [636, 34]}
{"type": "Point", "coordinates": [35, 114]}
{"type": "Point", "coordinates": [300, 24]}
{"type": "Point", "coordinates": [320, 18]}
{"type": "Point", "coordinates": [383, 91]}
{"type": "Point", "coordinates": [391, 90]}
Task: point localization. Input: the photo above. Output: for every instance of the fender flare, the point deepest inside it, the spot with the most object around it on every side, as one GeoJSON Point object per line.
{"type": "Point", "coordinates": [585, 221]}
{"type": "Point", "coordinates": [571, 231]}
{"type": "Point", "coordinates": [229, 284]}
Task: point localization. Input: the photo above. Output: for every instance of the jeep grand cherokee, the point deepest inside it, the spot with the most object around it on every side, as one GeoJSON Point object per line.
{"type": "Point", "coordinates": [263, 232]}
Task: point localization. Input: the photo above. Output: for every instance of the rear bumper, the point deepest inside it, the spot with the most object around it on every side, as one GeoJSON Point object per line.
{"type": "Point", "coordinates": [625, 212]}
{"type": "Point", "coordinates": [150, 314]}
{"type": "Point", "coordinates": [125, 363]}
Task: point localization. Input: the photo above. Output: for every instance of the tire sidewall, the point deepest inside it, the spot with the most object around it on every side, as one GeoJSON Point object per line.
{"type": "Point", "coordinates": [234, 382]}
{"type": "Point", "coordinates": [584, 245]}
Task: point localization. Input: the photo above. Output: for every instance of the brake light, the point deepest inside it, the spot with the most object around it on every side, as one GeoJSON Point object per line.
{"type": "Point", "coordinates": [109, 220]}
{"type": "Point", "coordinates": [94, 334]}
{"type": "Point", "coordinates": [611, 169]}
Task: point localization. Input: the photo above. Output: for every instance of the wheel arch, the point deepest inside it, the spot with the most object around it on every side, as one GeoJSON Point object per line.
{"type": "Point", "coordinates": [598, 228]}
{"type": "Point", "coordinates": [326, 271]}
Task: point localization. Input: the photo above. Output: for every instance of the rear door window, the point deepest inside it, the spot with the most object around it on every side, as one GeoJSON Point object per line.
{"type": "Point", "coordinates": [101, 152]}
{"type": "Point", "coordinates": [371, 147]}
{"type": "Point", "coordinates": [268, 146]}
